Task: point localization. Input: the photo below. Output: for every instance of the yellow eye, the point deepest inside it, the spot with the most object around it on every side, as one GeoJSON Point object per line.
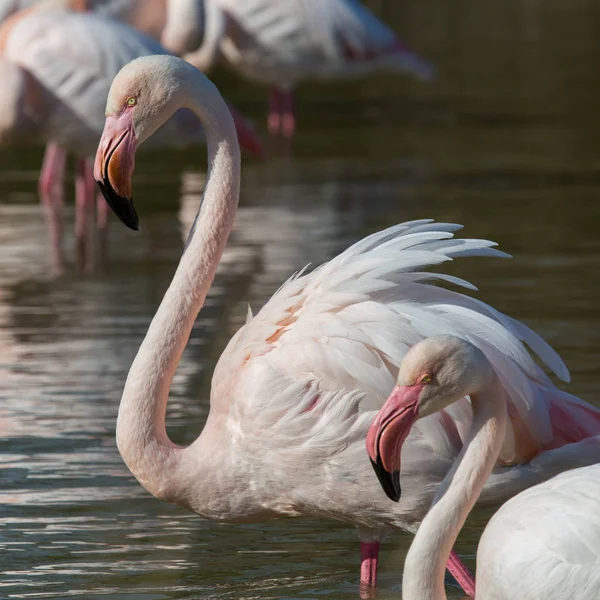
{"type": "Point", "coordinates": [131, 101]}
{"type": "Point", "coordinates": [425, 378]}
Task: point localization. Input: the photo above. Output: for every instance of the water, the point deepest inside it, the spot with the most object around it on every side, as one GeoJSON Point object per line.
{"type": "Point", "coordinates": [504, 142]}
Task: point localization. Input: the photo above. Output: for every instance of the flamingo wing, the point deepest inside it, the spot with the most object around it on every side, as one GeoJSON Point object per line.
{"type": "Point", "coordinates": [333, 340]}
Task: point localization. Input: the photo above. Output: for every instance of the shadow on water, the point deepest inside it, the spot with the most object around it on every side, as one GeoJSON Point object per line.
{"type": "Point", "coordinates": [505, 142]}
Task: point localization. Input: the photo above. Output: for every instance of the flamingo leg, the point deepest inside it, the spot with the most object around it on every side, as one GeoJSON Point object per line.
{"type": "Point", "coordinates": [53, 170]}
{"type": "Point", "coordinates": [369, 555]}
{"type": "Point", "coordinates": [101, 212]}
{"type": "Point", "coordinates": [462, 574]}
{"type": "Point", "coordinates": [52, 204]}
{"type": "Point", "coordinates": [84, 201]}
{"type": "Point", "coordinates": [101, 205]}
{"type": "Point", "coordinates": [275, 106]}
{"type": "Point", "coordinates": [102, 225]}
{"type": "Point", "coordinates": [288, 119]}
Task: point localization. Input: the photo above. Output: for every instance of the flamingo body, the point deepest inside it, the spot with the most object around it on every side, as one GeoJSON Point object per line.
{"type": "Point", "coordinates": [310, 368]}
{"type": "Point", "coordinates": [74, 58]}
{"type": "Point", "coordinates": [544, 542]}
{"type": "Point", "coordinates": [284, 42]}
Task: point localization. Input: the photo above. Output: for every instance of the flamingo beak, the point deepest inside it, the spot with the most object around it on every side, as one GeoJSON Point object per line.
{"type": "Point", "coordinates": [387, 434]}
{"type": "Point", "coordinates": [113, 167]}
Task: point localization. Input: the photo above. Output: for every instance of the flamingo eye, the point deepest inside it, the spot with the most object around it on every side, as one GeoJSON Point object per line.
{"type": "Point", "coordinates": [425, 379]}
{"type": "Point", "coordinates": [131, 101]}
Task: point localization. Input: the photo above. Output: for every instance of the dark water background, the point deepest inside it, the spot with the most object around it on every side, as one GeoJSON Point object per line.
{"type": "Point", "coordinates": [505, 142]}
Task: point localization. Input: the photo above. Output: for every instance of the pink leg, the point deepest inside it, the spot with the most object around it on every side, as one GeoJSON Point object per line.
{"type": "Point", "coordinates": [275, 105]}
{"type": "Point", "coordinates": [101, 212]}
{"type": "Point", "coordinates": [51, 192]}
{"type": "Point", "coordinates": [102, 225]}
{"type": "Point", "coordinates": [461, 573]}
{"type": "Point", "coordinates": [91, 192]}
{"type": "Point", "coordinates": [288, 120]}
{"type": "Point", "coordinates": [84, 202]}
{"type": "Point", "coordinates": [53, 169]}
{"type": "Point", "coordinates": [369, 554]}
{"type": "Point", "coordinates": [52, 204]}
{"type": "Point", "coordinates": [84, 197]}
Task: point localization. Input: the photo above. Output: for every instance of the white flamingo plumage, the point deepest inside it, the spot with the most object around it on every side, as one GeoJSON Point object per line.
{"type": "Point", "coordinates": [57, 67]}
{"type": "Point", "coordinates": [284, 42]}
{"type": "Point", "coordinates": [544, 542]}
{"type": "Point", "coordinates": [295, 390]}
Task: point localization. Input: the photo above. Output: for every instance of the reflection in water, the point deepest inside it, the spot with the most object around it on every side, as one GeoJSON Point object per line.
{"type": "Point", "coordinates": [505, 142]}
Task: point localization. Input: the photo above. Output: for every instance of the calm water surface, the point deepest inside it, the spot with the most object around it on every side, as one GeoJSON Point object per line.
{"type": "Point", "coordinates": [506, 142]}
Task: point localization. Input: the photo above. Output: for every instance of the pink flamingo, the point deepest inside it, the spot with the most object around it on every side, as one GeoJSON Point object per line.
{"type": "Point", "coordinates": [56, 70]}
{"type": "Point", "coordinates": [296, 388]}
{"type": "Point", "coordinates": [284, 42]}
{"type": "Point", "coordinates": [545, 542]}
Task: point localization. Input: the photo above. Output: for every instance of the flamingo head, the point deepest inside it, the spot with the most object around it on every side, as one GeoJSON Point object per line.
{"type": "Point", "coordinates": [143, 95]}
{"type": "Point", "coordinates": [434, 373]}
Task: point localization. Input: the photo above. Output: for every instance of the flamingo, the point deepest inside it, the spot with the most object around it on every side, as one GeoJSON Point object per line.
{"type": "Point", "coordinates": [295, 390]}
{"type": "Point", "coordinates": [543, 543]}
{"type": "Point", "coordinates": [56, 69]}
{"type": "Point", "coordinates": [284, 42]}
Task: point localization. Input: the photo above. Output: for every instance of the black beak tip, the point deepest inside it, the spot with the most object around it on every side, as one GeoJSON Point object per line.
{"type": "Point", "coordinates": [122, 207]}
{"type": "Point", "coordinates": [390, 482]}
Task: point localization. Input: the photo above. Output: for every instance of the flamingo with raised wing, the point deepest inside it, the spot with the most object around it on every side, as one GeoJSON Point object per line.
{"type": "Point", "coordinates": [284, 42]}
{"type": "Point", "coordinates": [543, 543]}
{"type": "Point", "coordinates": [295, 390]}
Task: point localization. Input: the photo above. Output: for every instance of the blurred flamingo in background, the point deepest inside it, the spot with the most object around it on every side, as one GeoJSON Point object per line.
{"type": "Point", "coordinates": [545, 542]}
{"type": "Point", "coordinates": [277, 42]}
{"type": "Point", "coordinates": [297, 387]}
{"type": "Point", "coordinates": [284, 42]}
{"type": "Point", "coordinates": [56, 69]}
{"type": "Point", "coordinates": [177, 24]}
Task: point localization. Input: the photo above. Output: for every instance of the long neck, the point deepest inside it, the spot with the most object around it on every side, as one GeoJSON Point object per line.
{"type": "Point", "coordinates": [141, 434]}
{"type": "Point", "coordinates": [215, 23]}
{"type": "Point", "coordinates": [183, 18]}
{"type": "Point", "coordinates": [425, 564]}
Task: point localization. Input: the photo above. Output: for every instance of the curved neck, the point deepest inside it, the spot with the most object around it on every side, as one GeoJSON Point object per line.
{"type": "Point", "coordinates": [141, 434]}
{"type": "Point", "coordinates": [215, 24]}
{"type": "Point", "coordinates": [182, 29]}
{"type": "Point", "coordinates": [425, 564]}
